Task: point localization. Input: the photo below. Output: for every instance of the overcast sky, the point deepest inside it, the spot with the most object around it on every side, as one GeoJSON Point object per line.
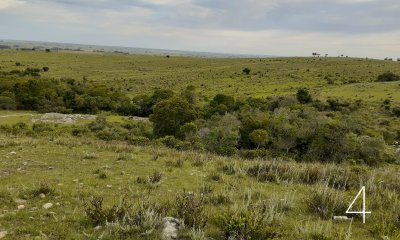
{"type": "Point", "coordinates": [275, 27]}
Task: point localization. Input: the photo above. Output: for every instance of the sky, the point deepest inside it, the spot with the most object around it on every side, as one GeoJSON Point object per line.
{"type": "Point", "coordinates": [360, 28]}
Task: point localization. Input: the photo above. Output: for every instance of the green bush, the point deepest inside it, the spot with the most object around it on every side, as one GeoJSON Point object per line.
{"type": "Point", "coordinates": [304, 96]}
{"type": "Point", "coordinates": [170, 115]}
{"type": "Point", "coordinates": [388, 77]}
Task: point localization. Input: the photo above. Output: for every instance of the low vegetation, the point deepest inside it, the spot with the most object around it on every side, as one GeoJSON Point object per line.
{"type": "Point", "coordinates": [224, 164]}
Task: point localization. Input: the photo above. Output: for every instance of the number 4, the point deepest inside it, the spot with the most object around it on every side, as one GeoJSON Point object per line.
{"type": "Point", "coordinates": [363, 212]}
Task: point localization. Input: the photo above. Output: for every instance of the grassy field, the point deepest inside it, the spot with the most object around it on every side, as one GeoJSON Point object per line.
{"type": "Point", "coordinates": [350, 78]}
{"type": "Point", "coordinates": [71, 168]}
{"type": "Point", "coordinates": [67, 166]}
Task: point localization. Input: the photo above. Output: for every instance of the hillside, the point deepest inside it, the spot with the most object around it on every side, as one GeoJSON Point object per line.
{"type": "Point", "coordinates": [272, 153]}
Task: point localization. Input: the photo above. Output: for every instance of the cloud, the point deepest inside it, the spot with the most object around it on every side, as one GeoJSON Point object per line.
{"type": "Point", "coordinates": [358, 27]}
{"type": "Point", "coordinates": [4, 4]}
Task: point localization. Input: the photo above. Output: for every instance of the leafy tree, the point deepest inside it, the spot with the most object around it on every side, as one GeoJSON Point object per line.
{"type": "Point", "coordinates": [169, 115]}
{"type": "Point", "coordinates": [304, 96]}
{"type": "Point", "coordinates": [221, 104]}
{"type": "Point", "coordinates": [259, 137]}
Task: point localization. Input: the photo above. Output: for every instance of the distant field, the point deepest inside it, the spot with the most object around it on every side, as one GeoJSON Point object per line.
{"type": "Point", "coordinates": [135, 74]}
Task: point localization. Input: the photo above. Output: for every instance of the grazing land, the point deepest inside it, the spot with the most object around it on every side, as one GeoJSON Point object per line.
{"type": "Point", "coordinates": [271, 152]}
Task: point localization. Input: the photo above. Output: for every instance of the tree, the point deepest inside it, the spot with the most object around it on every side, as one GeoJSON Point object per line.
{"type": "Point", "coordinates": [247, 71]}
{"type": "Point", "coordinates": [303, 96]}
{"type": "Point", "coordinates": [169, 115]}
{"type": "Point", "coordinates": [259, 137]}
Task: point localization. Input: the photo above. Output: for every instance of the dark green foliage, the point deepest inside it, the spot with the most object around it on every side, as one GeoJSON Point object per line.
{"type": "Point", "coordinates": [396, 111]}
{"type": "Point", "coordinates": [246, 71]}
{"type": "Point", "coordinates": [388, 77]}
{"type": "Point", "coordinates": [143, 104]}
{"type": "Point", "coordinates": [46, 69]}
{"type": "Point", "coordinates": [65, 95]}
{"type": "Point", "coordinates": [221, 104]}
{"type": "Point", "coordinates": [329, 143]}
{"type": "Point", "coordinates": [170, 115]}
{"type": "Point", "coordinates": [303, 96]}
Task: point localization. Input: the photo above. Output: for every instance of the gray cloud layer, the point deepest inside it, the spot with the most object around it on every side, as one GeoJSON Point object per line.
{"type": "Point", "coordinates": [287, 27]}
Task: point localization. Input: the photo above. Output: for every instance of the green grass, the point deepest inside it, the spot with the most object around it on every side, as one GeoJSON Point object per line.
{"type": "Point", "coordinates": [352, 78]}
{"type": "Point", "coordinates": [63, 164]}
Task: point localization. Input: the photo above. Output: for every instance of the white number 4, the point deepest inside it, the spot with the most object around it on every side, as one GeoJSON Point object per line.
{"type": "Point", "coordinates": [363, 212]}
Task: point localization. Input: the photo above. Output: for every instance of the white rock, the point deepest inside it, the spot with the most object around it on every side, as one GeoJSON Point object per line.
{"type": "Point", "coordinates": [3, 234]}
{"type": "Point", "coordinates": [42, 195]}
{"type": "Point", "coordinates": [340, 218]}
{"type": "Point", "coordinates": [171, 227]}
{"type": "Point", "coordinates": [20, 201]}
{"type": "Point", "coordinates": [97, 228]}
{"type": "Point", "coordinates": [47, 205]}
{"type": "Point", "coordinates": [75, 180]}
{"type": "Point", "coordinates": [109, 186]}
{"type": "Point", "coordinates": [20, 207]}
{"type": "Point", "coordinates": [13, 153]}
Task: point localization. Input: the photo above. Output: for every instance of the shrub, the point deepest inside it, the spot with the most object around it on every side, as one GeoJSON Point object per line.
{"type": "Point", "coordinates": [249, 222]}
{"type": "Point", "coordinates": [246, 71]}
{"type": "Point", "coordinates": [190, 208]}
{"type": "Point", "coordinates": [326, 202]}
{"type": "Point", "coordinates": [42, 127]}
{"type": "Point", "coordinates": [388, 77]}
{"type": "Point", "coordinates": [170, 115]}
{"type": "Point", "coordinates": [46, 69]}
{"type": "Point", "coordinates": [395, 111]}
{"type": "Point", "coordinates": [7, 103]}
{"type": "Point", "coordinates": [42, 189]}
{"type": "Point", "coordinates": [155, 178]}
{"type": "Point", "coordinates": [303, 96]}
{"type": "Point", "coordinates": [123, 219]}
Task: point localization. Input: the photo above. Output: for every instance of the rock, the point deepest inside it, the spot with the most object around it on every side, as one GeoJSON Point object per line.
{"type": "Point", "coordinates": [20, 201]}
{"type": "Point", "coordinates": [51, 168]}
{"type": "Point", "coordinates": [3, 234]}
{"type": "Point", "coordinates": [341, 218]}
{"type": "Point", "coordinates": [13, 153]}
{"type": "Point", "coordinates": [75, 180]}
{"type": "Point", "coordinates": [171, 227]}
{"type": "Point", "coordinates": [42, 195]}
{"type": "Point", "coordinates": [97, 228]}
{"type": "Point", "coordinates": [20, 207]}
{"type": "Point", "coordinates": [47, 205]}
{"type": "Point", "coordinates": [109, 186]}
